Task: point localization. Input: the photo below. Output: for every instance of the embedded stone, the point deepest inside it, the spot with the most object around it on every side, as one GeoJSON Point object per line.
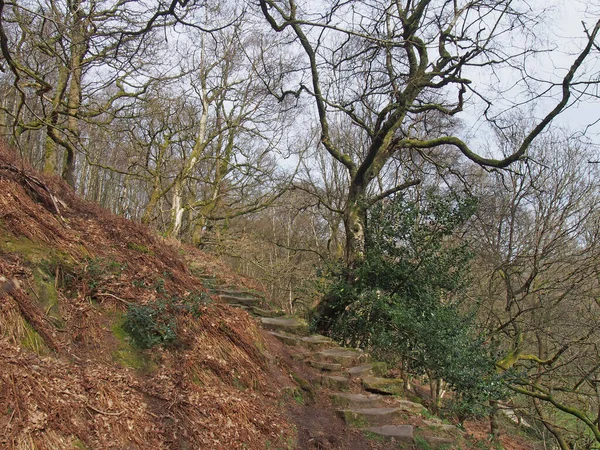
{"type": "Point", "coordinates": [288, 339]}
{"type": "Point", "coordinates": [386, 386]}
{"type": "Point", "coordinates": [411, 407]}
{"type": "Point", "coordinates": [260, 312]}
{"type": "Point", "coordinates": [436, 442]}
{"type": "Point", "coordinates": [289, 324]}
{"type": "Point", "coordinates": [301, 356]}
{"type": "Point", "coordinates": [335, 382]}
{"type": "Point", "coordinates": [344, 356]}
{"type": "Point", "coordinates": [331, 367]}
{"type": "Point", "coordinates": [399, 433]}
{"type": "Point", "coordinates": [234, 299]}
{"type": "Point", "coordinates": [356, 401]}
{"type": "Point", "coordinates": [371, 417]}
{"type": "Point", "coordinates": [235, 292]}
{"type": "Point", "coordinates": [368, 369]}
{"type": "Point", "coordinates": [317, 342]}
{"type": "Point", "coordinates": [438, 424]}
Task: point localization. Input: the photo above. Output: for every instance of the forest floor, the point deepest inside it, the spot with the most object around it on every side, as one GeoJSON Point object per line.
{"type": "Point", "coordinates": [83, 292]}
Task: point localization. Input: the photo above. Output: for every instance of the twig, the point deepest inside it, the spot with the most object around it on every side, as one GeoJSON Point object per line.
{"type": "Point", "coordinates": [108, 294]}
{"type": "Point", "coordinates": [104, 412]}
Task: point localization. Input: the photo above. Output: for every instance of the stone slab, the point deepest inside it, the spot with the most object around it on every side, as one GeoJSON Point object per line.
{"type": "Point", "coordinates": [368, 369]}
{"type": "Point", "coordinates": [411, 407]}
{"type": "Point", "coordinates": [317, 342]}
{"type": "Point", "coordinates": [289, 324]}
{"type": "Point", "coordinates": [335, 382]}
{"type": "Point", "coordinates": [260, 312]}
{"type": "Point", "coordinates": [386, 386]}
{"type": "Point", "coordinates": [248, 301]}
{"type": "Point", "coordinates": [288, 339]}
{"type": "Point", "coordinates": [400, 433]}
{"type": "Point", "coordinates": [235, 292]}
{"type": "Point", "coordinates": [439, 425]}
{"type": "Point", "coordinates": [345, 356]}
{"type": "Point", "coordinates": [330, 367]}
{"type": "Point", "coordinates": [356, 401]}
{"type": "Point", "coordinates": [436, 442]}
{"type": "Point", "coordinates": [372, 417]}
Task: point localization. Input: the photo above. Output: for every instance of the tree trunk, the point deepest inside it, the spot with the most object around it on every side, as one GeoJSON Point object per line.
{"type": "Point", "coordinates": [494, 425]}
{"type": "Point", "coordinates": [177, 210]}
{"type": "Point", "coordinates": [355, 222]}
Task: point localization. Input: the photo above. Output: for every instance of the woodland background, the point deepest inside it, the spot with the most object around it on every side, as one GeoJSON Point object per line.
{"type": "Point", "coordinates": [268, 133]}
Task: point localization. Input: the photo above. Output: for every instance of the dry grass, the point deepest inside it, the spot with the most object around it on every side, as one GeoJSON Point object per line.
{"type": "Point", "coordinates": [60, 386]}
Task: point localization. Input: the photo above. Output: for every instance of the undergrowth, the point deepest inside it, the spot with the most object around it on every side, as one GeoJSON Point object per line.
{"type": "Point", "coordinates": [155, 323]}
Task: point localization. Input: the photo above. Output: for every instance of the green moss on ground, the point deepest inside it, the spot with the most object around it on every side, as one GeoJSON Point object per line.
{"type": "Point", "coordinates": [127, 355]}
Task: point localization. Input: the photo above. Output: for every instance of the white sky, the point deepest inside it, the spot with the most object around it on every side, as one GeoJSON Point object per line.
{"type": "Point", "coordinates": [563, 32]}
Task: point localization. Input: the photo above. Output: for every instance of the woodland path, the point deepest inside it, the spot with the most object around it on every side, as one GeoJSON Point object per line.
{"type": "Point", "coordinates": [339, 398]}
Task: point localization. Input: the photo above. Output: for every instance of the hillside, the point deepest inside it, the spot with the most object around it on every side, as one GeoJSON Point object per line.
{"type": "Point", "coordinates": [112, 337]}
{"type": "Point", "coordinates": [71, 377]}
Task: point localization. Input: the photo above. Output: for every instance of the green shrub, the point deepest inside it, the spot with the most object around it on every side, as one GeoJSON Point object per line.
{"type": "Point", "coordinates": [403, 302]}
{"type": "Point", "coordinates": [155, 323]}
{"type": "Point", "coordinates": [150, 325]}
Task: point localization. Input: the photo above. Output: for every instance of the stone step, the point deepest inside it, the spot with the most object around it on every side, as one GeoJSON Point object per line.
{"type": "Point", "coordinates": [248, 301]}
{"type": "Point", "coordinates": [260, 312]}
{"type": "Point", "coordinates": [335, 382]}
{"type": "Point", "coordinates": [439, 425]}
{"type": "Point", "coordinates": [235, 292]}
{"type": "Point", "coordinates": [394, 433]}
{"type": "Point", "coordinates": [356, 401]}
{"type": "Point", "coordinates": [240, 306]}
{"type": "Point", "coordinates": [301, 356]}
{"type": "Point", "coordinates": [325, 366]}
{"type": "Point", "coordinates": [288, 339]}
{"type": "Point", "coordinates": [408, 406]}
{"type": "Point", "coordinates": [386, 386]}
{"type": "Point", "coordinates": [344, 356]}
{"type": "Point", "coordinates": [317, 342]}
{"type": "Point", "coordinates": [368, 369]}
{"type": "Point", "coordinates": [288, 324]}
{"type": "Point", "coordinates": [313, 342]}
{"type": "Point", "coordinates": [372, 417]}
{"type": "Point", "coordinates": [437, 442]}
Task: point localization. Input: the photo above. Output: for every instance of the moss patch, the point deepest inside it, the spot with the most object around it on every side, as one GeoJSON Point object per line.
{"type": "Point", "coordinates": [127, 355]}
{"type": "Point", "coordinates": [33, 341]}
{"type": "Point", "coordinates": [139, 248]}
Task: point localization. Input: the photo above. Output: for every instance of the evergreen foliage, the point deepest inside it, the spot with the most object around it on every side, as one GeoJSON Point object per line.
{"type": "Point", "coordinates": [402, 302]}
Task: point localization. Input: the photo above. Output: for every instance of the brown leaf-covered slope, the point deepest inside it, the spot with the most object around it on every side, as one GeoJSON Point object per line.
{"type": "Point", "coordinates": [70, 376]}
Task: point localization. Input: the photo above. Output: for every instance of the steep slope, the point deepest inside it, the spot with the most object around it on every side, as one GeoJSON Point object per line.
{"type": "Point", "coordinates": [92, 291]}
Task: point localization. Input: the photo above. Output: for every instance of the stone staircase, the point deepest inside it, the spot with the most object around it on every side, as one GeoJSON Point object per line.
{"type": "Point", "coordinates": [363, 397]}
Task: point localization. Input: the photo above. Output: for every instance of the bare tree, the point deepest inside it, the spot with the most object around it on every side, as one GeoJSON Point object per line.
{"type": "Point", "coordinates": [536, 239]}
{"type": "Point", "coordinates": [384, 66]}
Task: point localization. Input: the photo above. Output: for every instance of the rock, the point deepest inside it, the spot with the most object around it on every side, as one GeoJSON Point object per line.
{"type": "Point", "coordinates": [317, 342]}
{"type": "Point", "coordinates": [400, 433]}
{"type": "Point", "coordinates": [288, 339]}
{"type": "Point", "coordinates": [371, 417]}
{"type": "Point", "coordinates": [368, 369]}
{"type": "Point", "coordinates": [234, 292]}
{"type": "Point", "coordinates": [386, 386]}
{"type": "Point", "coordinates": [260, 312]}
{"type": "Point", "coordinates": [289, 324]}
{"type": "Point", "coordinates": [344, 356]}
{"type": "Point", "coordinates": [301, 356]}
{"type": "Point", "coordinates": [356, 401]}
{"type": "Point", "coordinates": [331, 367]}
{"type": "Point", "coordinates": [439, 425]}
{"type": "Point", "coordinates": [335, 382]}
{"type": "Point", "coordinates": [436, 442]}
{"type": "Point", "coordinates": [234, 299]}
{"type": "Point", "coordinates": [411, 407]}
